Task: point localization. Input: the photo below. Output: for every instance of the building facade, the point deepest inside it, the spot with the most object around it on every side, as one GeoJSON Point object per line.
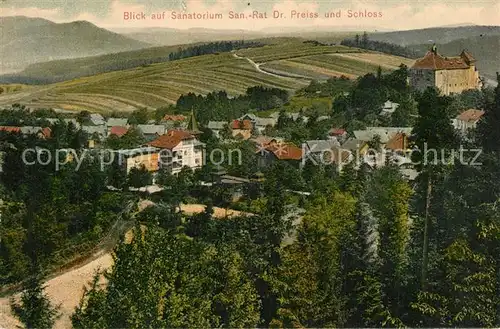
{"type": "Point", "coordinates": [451, 75]}
{"type": "Point", "coordinates": [179, 149]}
{"type": "Point", "coordinates": [467, 120]}
{"type": "Point", "coordinates": [141, 157]}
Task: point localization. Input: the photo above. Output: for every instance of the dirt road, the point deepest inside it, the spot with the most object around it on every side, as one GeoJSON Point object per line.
{"type": "Point", "coordinates": [67, 288]}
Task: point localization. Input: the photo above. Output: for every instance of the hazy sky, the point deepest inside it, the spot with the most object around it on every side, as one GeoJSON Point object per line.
{"type": "Point", "coordinates": [395, 14]}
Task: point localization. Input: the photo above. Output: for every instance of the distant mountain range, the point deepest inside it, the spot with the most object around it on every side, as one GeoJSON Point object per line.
{"type": "Point", "coordinates": [37, 45]}
{"type": "Point", "coordinates": [439, 35]}
{"type": "Point", "coordinates": [27, 40]}
{"type": "Point", "coordinates": [170, 36]}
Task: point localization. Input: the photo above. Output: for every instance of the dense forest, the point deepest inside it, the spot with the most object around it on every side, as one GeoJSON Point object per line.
{"type": "Point", "coordinates": [220, 106]}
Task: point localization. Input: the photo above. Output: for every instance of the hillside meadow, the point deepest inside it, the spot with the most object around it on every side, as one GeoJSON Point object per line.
{"type": "Point", "coordinates": [289, 65]}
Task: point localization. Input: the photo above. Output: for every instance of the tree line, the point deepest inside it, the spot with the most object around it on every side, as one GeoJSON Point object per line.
{"type": "Point", "coordinates": [364, 42]}
{"type": "Point", "coordinates": [212, 48]}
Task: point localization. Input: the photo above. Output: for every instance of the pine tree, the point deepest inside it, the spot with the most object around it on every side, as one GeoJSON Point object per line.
{"type": "Point", "coordinates": [35, 311]}
{"type": "Point", "coordinates": [435, 136]}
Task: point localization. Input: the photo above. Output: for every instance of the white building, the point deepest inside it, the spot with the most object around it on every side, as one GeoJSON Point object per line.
{"type": "Point", "coordinates": [178, 149]}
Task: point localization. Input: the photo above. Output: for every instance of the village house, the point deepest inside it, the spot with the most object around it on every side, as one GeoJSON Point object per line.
{"type": "Point", "coordinates": [267, 154]}
{"type": "Point", "coordinates": [179, 148]}
{"type": "Point", "coordinates": [118, 131]}
{"type": "Point", "coordinates": [242, 129]}
{"type": "Point", "coordinates": [326, 152]}
{"type": "Point", "coordinates": [262, 141]}
{"type": "Point", "coordinates": [216, 127]}
{"type": "Point", "coordinates": [95, 134]}
{"type": "Point", "coordinates": [467, 120]}
{"type": "Point", "coordinates": [141, 157]}
{"type": "Point", "coordinates": [96, 119]}
{"type": "Point", "coordinates": [42, 133]}
{"type": "Point", "coordinates": [259, 123]}
{"type": "Point", "coordinates": [449, 74]}
{"type": "Point", "coordinates": [174, 121]}
{"type": "Point", "coordinates": [384, 133]}
{"type": "Point", "coordinates": [151, 132]}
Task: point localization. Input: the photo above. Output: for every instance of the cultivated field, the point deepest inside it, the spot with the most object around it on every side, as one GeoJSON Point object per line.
{"type": "Point", "coordinates": [289, 65]}
{"type": "Point", "coordinates": [325, 66]}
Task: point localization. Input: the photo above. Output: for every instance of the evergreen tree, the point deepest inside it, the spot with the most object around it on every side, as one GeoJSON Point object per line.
{"type": "Point", "coordinates": [435, 140]}
{"type": "Point", "coordinates": [35, 311]}
{"type": "Point", "coordinates": [488, 128]}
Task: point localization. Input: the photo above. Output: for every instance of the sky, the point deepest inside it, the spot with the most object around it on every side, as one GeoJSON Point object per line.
{"type": "Point", "coordinates": [395, 14]}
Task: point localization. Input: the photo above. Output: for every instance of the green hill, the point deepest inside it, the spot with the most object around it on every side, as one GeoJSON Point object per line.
{"type": "Point", "coordinates": [27, 40]}
{"type": "Point", "coordinates": [157, 85]}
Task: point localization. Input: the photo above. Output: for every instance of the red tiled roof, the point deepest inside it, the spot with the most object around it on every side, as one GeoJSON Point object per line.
{"type": "Point", "coordinates": [10, 129]}
{"type": "Point", "coordinates": [284, 151]}
{"type": "Point", "coordinates": [337, 132]}
{"type": "Point", "coordinates": [397, 142]}
{"type": "Point", "coordinates": [243, 124]}
{"type": "Point", "coordinates": [171, 139]}
{"type": "Point", "coordinates": [434, 61]}
{"type": "Point", "coordinates": [118, 131]}
{"type": "Point", "coordinates": [471, 115]}
{"type": "Point", "coordinates": [173, 117]}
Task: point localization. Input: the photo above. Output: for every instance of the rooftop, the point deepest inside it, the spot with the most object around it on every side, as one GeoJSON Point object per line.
{"type": "Point", "coordinates": [434, 61]}
{"type": "Point", "coordinates": [283, 151]}
{"type": "Point", "coordinates": [398, 142]}
{"type": "Point", "coordinates": [171, 139]}
{"type": "Point", "coordinates": [470, 115]}
{"type": "Point", "coordinates": [241, 124]}
{"type": "Point", "coordinates": [118, 131]}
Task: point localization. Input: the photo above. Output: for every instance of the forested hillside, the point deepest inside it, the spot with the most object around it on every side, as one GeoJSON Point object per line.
{"type": "Point", "coordinates": [27, 40]}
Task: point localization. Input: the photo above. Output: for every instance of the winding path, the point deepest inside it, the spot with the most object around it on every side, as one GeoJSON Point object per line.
{"type": "Point", "coordinates": [67, 287]}
{"type": "Point", "coordinates": [273, 74]}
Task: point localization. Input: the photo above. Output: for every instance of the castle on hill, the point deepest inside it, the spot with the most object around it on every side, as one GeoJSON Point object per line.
{"type": "Point", "coordinates": [449, 74]}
